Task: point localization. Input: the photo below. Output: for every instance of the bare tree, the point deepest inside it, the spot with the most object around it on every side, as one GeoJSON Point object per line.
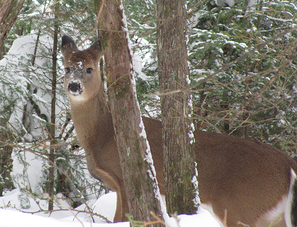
{"type": "Point", "coordinates": [135, 156]}
{"type": "Point", "coordinates": [178, 137]}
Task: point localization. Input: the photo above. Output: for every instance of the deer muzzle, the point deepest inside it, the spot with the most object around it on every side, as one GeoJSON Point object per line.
{"type": "Point", "coordinates": [75, 88]}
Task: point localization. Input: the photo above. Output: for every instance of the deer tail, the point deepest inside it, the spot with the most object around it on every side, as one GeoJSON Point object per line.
{"type": "Point", "coordinates": [291, 210]}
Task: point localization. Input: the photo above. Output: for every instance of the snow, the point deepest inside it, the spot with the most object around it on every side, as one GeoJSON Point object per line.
{"type": "Point", "coordinates": [25, 174]}
{"type": "Point", "coordinates": [16, 72]}
{"type": "Point", "coordinates": [17, 206]}
{"type": "Point", "coordinates": [105, 205]}
{"type": "Point", "coordinates": [196, 183]}
{"type": "Point", "coordinates": [11, 218]}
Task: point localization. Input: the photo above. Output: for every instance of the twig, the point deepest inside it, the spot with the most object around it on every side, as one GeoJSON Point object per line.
{"type": "Point", "coordinates": [57, 210]}
{"type": "Point", "coordinates": [96, 24]}
{"type": "Point", "coordinates": [224, 67]}
{"type": "Point", "coordinates": [70, 180]}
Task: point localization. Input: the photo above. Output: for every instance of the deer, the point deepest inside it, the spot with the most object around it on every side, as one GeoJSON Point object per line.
{"type": "Point", "coordinates": [241, 181]}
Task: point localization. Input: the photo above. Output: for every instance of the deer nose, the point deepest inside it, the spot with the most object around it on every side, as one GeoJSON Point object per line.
{"type": "Point", "coordinates": [75, 88]}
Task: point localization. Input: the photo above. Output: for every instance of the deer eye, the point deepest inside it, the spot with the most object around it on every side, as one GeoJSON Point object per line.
{"type": "Point", "coordinates": [67, 70]}
{"type": "Point", "coordinates": [89, 70]}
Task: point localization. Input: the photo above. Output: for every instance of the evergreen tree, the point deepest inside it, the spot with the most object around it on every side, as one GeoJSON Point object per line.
{"type": "Point", "coordinates": [252, 97]}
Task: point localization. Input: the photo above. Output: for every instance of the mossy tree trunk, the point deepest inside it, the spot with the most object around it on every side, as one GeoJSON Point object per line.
{"type": "Point", "coordinates": [138, 174]}
{"type": "Point", "coordinates": [180, 171]}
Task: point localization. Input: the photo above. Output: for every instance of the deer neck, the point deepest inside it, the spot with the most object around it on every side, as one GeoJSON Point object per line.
{"type": "Point", "coordinates": [93, 122]}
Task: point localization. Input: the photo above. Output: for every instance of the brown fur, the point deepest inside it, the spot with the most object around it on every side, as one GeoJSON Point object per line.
{"type": "Point", "coordinates": [238, 177]}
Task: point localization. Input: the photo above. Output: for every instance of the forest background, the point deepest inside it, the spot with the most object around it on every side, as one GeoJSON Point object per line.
{"type": "Point", "coordinates": [242, 60]}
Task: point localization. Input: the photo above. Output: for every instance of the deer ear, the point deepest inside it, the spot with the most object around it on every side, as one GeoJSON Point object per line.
{"type": "Point", "coordinates": [68, 45]}
{"type": "Point", "coordinates": [96, 50]}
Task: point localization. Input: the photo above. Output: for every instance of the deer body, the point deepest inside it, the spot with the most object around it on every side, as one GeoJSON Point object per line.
{"type": "Point", "coordinates": [239, 180]}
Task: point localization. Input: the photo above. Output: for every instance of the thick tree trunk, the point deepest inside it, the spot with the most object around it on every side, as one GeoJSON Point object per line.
{"type": "Point", "coordinates": [138, 174]}
{"type": "Point", "coordinates": [9, 10]}
{"type": "Point", "coordinates": [179, 164]}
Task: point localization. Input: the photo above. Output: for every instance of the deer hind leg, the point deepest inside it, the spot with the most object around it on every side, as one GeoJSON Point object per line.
{"type": "Point", "coordinates": [282, 214]}
{"type": "Point", "coordinates": [274, 217]}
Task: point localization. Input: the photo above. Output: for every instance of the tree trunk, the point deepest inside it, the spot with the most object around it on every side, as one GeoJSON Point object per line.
{"type": "Point", "coordinates": [138, 171]}
{"type": "Point", "coordinates": [53, 115]}
{"type": "Point", "coordinates": [9, 10]}
{"type": "Point", "coordinates": [180, 171]}
{"type": "Point", "coordinates": [5, 158]}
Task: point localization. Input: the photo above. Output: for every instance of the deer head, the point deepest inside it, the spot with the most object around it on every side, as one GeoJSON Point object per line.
{"type": "Point", "coordinates": [82, 78]}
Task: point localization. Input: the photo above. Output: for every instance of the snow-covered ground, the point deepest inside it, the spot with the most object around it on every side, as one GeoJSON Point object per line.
{"type": "Point", "coordinates": [19, 208]}
{"type": "Point", "coordinates": [105, 206]}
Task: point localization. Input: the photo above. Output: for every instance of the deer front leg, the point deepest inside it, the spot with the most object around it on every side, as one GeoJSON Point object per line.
{"type": "Point", "coordinates": [122, 205]}
{"type": "Point", "coordinates": [124, 202]}
{"type": "Point", "coordinates": [119, 211]}
{"type": "Point", "coordinates": [113, 183]}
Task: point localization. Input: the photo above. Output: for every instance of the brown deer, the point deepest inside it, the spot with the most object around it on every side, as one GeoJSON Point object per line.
{"type": "Point", "coordinates": [240, 181]}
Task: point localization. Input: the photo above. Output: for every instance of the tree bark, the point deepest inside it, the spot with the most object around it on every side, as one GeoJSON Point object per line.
{"type": "Point", "coordinates": [5, 157]}
{"type": "Point", "coordinates": [180, 171]}
{"type": "Point", "coordinates": [9, 10]}
{"type": "Point", "coordinates": [135, 156]}
{"type": "Point", "coordinates": [53, 115]}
